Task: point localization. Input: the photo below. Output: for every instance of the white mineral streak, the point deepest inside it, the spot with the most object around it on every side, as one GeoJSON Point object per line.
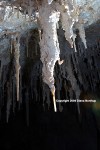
{"type": "Point", "coordinates": [17, 64]}
{"type": "Point", "coordinates": [50, 1]}
{"type": "Point", "coordinates": [49, 45]}
{"type": "Point", "coordinates": [74, 37]}
{"type": "Point", "coordinates": [18, 11]}
{"type": "Point", "coordinates": [81, 29]}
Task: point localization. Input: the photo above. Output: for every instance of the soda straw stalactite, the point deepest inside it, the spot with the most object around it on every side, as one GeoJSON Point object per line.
{"type": "Point", "coordinates": [17, 64]}
{"type": "Point", "coordinates": [54, 99]}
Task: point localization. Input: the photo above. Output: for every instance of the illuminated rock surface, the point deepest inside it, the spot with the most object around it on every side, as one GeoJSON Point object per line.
{"type": "Point", "coordinates": [25, 68]}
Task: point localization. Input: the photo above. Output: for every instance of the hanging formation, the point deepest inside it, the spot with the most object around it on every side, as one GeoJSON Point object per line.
{"type": "Point", "coordinates": [48, 14]}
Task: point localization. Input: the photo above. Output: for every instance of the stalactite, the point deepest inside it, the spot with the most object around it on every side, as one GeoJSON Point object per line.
{"type": "Point", "coordinates": [74, 37]}
{"type": "Point", "coordinates": [18, 11]}
{"type": "Point", "coordinates": [17, 64]}
{"type": "Point", "coordinates": [54, 100]}
{"type": "Point", "coordinates": [69, 15]}
{"type": "Point", "coordinates": [66, 24]}
{"type": "Point", "coordinates": [49, 44]}
{"type": "Point", "coordinates": [82, 33]}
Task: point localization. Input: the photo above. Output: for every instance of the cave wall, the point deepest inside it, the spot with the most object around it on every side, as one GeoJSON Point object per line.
{"type": "Point", "coordinates": [78, 75]}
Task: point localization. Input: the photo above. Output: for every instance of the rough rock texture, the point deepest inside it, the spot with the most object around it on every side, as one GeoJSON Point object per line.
{"type": "Point", "coordinates": [69, 77]}
{"type": "Point", "coordinates": [19, 16]}
{"type": "Point", "coordinates": [16, 22]}
{"type": "Point", "coordinates": [77, 77]}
